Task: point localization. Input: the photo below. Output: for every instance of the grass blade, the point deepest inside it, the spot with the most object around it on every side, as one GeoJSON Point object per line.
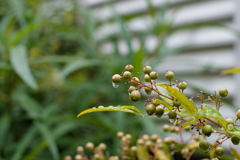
{"type": "Point", "coordinates": [24, 143]}
{"type": "Point", "coordinates": [47, 135]}
{"type": "Point", "coordinates": [4, 126]}
{"type": "Point", "coordinates": [76, 65]}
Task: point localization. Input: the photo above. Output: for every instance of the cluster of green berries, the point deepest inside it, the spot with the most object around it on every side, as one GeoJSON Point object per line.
{"type": "Point", "coordinates": [92, 153]}
{"type": "Point", "coordinates": [157, 109]}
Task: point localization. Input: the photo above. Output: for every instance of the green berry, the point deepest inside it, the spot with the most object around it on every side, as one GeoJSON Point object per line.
{"type": "Point", "coordinates": [238, 114]}
{"type": "Point", "coordinates": [223, 92]}
{"type": "Point", "coordinates": [230, 121]}
{"type": "Point", "coordinates": [185, 151]}
{"type": "Point", "coordinates": [80, 149]}
{"type": "Point", "coordinates": [120, 134]}
{"type": "Point", "coordinates": [148, 90]}
{"type": "Point", "coordinates": [68, 158]}
{"type": "Point", "coordinates": [196, 138]}
{"type": "Point", "coordinates": [204, 144]}
{"type": "Point", "coordinates": [127, 74]}
{"type": "Point", "coordinates": [159, 111]}
{"type": "Point", "coordinates": [148, 144]}
{"type": "Point", "coordinates": [135, 95]}
{"type": "Point", "coordinates": [235, 140]}
{"type": "Point", "coordinates": [182, 85]}
{"type": "Point", "coordinates": [134, 149]}
{"type": "Point", "coordinates": [166, 127]}
{"type": "Point", "coordinates": [187, 128]}
{"type": "Point", "coordinates": [150, 109]}
{"type": "Point", "coordinates": [116, 78]}
{"type": "Point", "coordinates": [172, 129]}
{"type": "Point", "coordinates": [176, 129]}
{"type": "Point", "coordinates": [172, 115]}
{"type": "Point", "coordinates": [131, 88]}
{"type": "Point", "coordinates": [169, 75]}
{"type": "Point", "coordinates": [219, 151]}
{"type": "Point", "coordinates": [145, 137]}
{"type": "Point", "coordinates": [147, 78]}
{"type": "Point", "coordinates": [154, 137]}
{"type": "Point", "coordinates": [128, 136]}
{"type": "Point", "coordinates": [89, 146]}
{"type": "Point", "coordinates": [230, 127]}
{"type": "Point", "coordinates": [129, 68]}
{"type": "Point", "coordinates": [155, 102]}
{"type": "Point", "coordinates": [147, 69]}
{"type": "Point", "coordinates": [78, 157]}
{"type": "Point", "coordinates": [169, 140]}
{"type": "Point", "coordinates": [140, 141]}
{"type": "Point", "coordinates": [153, 75]}
{"type": "Point", "coordinates": [102, 146]}
{"type": "Point", "coordinates": [207, 130]}
{"type": "Point", "coordinates": [177, 123]}
{"type": "Point", "coordinates": [135, 81]}
{"type": "Point", "coordinates": [97, 156]}
{"type": "Point", "coordinates": [177, 102]}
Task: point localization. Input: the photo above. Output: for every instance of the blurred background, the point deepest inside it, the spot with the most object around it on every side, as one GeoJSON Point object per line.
{"type": "Point", "coordinates": [57, 58]}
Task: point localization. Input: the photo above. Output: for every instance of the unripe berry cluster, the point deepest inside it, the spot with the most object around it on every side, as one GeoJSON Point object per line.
{"type": "Point", "coordinates": [181, 110]}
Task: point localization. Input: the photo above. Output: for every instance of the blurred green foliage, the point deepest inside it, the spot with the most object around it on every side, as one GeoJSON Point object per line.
{"type": "Point", "coordinates": [52, 67]}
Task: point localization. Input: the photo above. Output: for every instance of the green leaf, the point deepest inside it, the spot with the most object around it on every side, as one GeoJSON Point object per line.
{"type": "Point", "coordinates": [19, 8]}
{"type": "Point", "coordinates": [230, 71]}
{"type": "Point", "coordinates": [128, 109]}
{"type": "Point", "coordinates": [124, 32]}
{"type": "Point", "coordinates": [169, 107]}
{"type": "Point", "coordinates": [53, 59]}
{"type": "Point", "coordinates": [186, 103]}
{"type": "Point", "coordinates": [151, 9]}
{"type": "Point", "coordinates": [33, 154]}
{"type": "Point", "coordinates": [24, 31]}
{"type": "Point", "coordinates": [48, 136]}
{"type": "Point", "coordinates": [211, 112]}
{"type": "Point", "coordinates": [30, 105]}
{"type": "Point", "coordinates": [138, 59]}
{"type": "Point", "coordinates": [19, 61]}
{"type": "Point", "coordinates": [192, 145]}
{"type": "Point", "coordinates": [76, 65]}
{"type": "Point", "coordinates": [24, 143]}
{"type": "Point", "coordinates": [235, 153]}
{"type": "Point", "coordinates": [4, 126]}
{"type": "Point", "coordinates": [188, 123]}
{"type": "Point", "coordinates": [142, 153]}
{"type": "Point", "coordinates": [163, 153]}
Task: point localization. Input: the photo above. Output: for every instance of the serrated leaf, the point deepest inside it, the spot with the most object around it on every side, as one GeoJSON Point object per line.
{"type": "Point", "coordinates": [186, 103]}
{"type": "Point", "coordinates": [235, 153]}
{"type": "Point", "coordinates": [19, 61]}
{"type": "Point", "coordinates": [230, 71]}
{"type": "Point", "coordinates": [128, 109]}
